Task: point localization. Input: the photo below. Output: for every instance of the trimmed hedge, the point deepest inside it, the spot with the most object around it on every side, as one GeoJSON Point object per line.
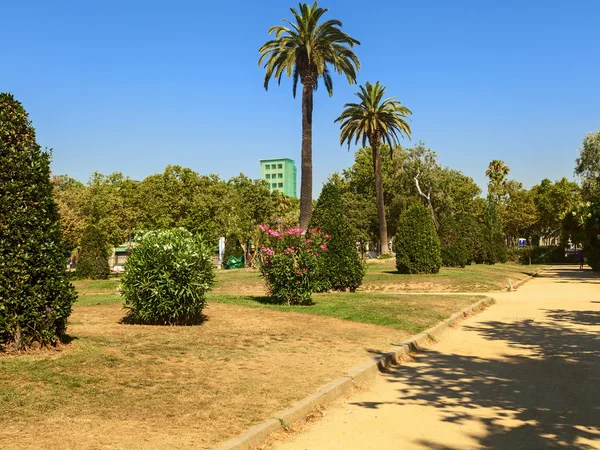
{"type": "Point", "coordinates": [35, 293]}
{"type": "Point", "coordinates": [472, 233]}
{"type": "Point", "coordinates": [417, 245]}
{"type": "Point", "coordinates": [340, 265]}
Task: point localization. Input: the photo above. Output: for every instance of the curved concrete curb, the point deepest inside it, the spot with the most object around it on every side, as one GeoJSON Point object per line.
{"type": "Point", "coordinates": [529, 277]}
{"type": "Point", "coordinates": [345, 384]}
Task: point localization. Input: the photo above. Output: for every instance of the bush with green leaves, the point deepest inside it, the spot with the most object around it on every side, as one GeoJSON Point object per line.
{"type": "Point", "coordinates": [417, 245]}
{"type": "Point", "coordinates": [93, 256]}
{"type": "Point", "coordinates": [453, 247]}
{"type": "Point", "coordinates": [582, 224]}
{"type": "Point", "coordinates": [35, 293]}
{"type": "Point", "coordinates": [493, 237]}
{"type": "Point", "coordinates": [166, 278]}
{"type": "Point", "coordinates": [471, 231]}
{"type": "Point", "coordinates": [289, 262]}
{"type": "Point", "coordinates": [340, 265]}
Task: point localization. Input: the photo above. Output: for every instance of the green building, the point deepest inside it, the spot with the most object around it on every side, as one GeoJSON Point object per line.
{"type": "Point", "coordinates": [280, 173]}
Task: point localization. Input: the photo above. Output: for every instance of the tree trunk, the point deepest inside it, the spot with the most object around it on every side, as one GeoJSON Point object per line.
{"type": "Point", "coordinates": [306, 180]}
{"type": "Point", "coordinates": [383, 237]}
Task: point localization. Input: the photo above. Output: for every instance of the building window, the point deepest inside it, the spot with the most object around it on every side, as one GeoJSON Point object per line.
{"type": "Point", "coordinates": [274, 185]}
{"type": "Point", "coordinates": [279, 166]}
{"type": "Point", "coordinates": [279, 175]}
{"type": "Point", "coordinates": [280, 185]}
{"type": "Point", "coordinates": [268, 166]}
{"type": "Point", "coordinates": [268, 176]}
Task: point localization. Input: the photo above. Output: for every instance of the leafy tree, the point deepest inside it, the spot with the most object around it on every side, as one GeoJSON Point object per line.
{"type": "Point", "coordinates": [35, 294]}
{"type": "Point", "coordinates": [93, 254]}
{"type": "Point", "coordinates": [377, 120]}
{"type": "Point", "coordinates": [472, 234]}
{"type": "Point", "coordinates": [454, 251]}
{"type": "Point", "coordinates": [516, 210]}
{"type": "Point", "coordinates": [552, 201]}
{"type": "Point", "coordinates": [417, 245]}
{"type": "Point", "coordinates": [493, 236]}
{"type": "Point", "coordinates": [305, 51]}
{"type": "Point", "coordinates": [588, 166]}
{"type": "Point", "coordinates": [340, 264]}
{"type": "Point", "coordinates": [69, 194]}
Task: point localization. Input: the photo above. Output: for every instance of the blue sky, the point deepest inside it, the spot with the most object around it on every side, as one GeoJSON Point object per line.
{"type": "Point", "coordinates": [133, 86]}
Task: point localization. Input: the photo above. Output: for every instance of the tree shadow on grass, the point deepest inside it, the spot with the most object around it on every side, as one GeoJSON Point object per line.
{"type": "Point", "coordinates": [266, 300]}
{"type": "Point", "coordinates": [549, 397]}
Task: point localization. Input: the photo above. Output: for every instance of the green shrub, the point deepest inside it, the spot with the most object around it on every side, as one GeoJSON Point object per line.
{"type": "Point", "coordinates": [166, 278]}
{"type": "Point", "coordinates": [35, 294]}
{"type": "Point", "coordinates": [93, 255]}
{"type": "Point", "coordinates": [472, 233]}
{"type": "Point", "coordinates": [417, 245]}
{"type": "Point", "coordinates": [340, 265]}
{"type": "Point", "coordinates": [453, 247]}
{"type": "Point", "coordinates": [289, 264]}
{"type": "Point", "coordinates": [493, 236]}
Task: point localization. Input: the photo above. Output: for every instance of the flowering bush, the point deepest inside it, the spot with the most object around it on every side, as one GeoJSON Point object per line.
{"type": "Point", "coordinates": [166, 278]}
{"type": "Point", "coordinates": [289, 263]}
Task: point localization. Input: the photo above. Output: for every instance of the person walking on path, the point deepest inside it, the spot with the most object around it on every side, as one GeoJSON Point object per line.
{"type": "Point", "coordinates": [580, 256]}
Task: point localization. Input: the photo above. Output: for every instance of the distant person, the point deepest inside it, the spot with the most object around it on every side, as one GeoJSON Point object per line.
{"type": "Point", "coordinates": [580, 256]}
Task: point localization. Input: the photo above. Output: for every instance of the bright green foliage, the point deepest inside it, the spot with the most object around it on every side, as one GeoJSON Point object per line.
{"type": "Point", "coordinates": [453, 246]}
{"type": "Point", "coordinates": [167, 277]}
{"type": "Point", "coordinates": [35, 294]}
{"type": "Point", "coordinates": [93, 255]}
{"type": "Point", "coordinates": [289, 262]}
{"type": "Point", "coordinates": [417, 245]}
{"type": "Point", "coordinates": [340, 264]}
{"type": "Point", "coordinates": [588, 166]}
{"type": "Point", "coordinates": [493, 237]}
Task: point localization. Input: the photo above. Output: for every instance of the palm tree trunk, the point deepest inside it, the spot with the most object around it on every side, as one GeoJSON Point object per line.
{"type": "Point", "coordinates": [306, 180]}
{"type": "Point", "coordinates": [383, 237]}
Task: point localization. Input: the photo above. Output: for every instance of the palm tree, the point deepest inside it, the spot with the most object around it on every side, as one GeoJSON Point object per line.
{"type": "Point", "coordinates": [497, 172]}
{"type": "Point", "coordinates": [377, 120]}
{"type": "Point", "coordinates": [304, 51]}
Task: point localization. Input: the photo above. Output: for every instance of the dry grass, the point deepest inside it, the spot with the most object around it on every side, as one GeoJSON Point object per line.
{"type": "Point", "coordinates": [131, 386]}
{"type": "Point", "coordinates": [128, 386]}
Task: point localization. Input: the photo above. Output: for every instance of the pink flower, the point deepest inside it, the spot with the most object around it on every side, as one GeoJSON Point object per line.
{"type": "Point", "coordinates": [308, 242]}
{"type": "Point", "coordinates": [323, 246]}
{"type": "Point", "coordinates": [293, 231]}
{"type": "Point", "coordinates": [273, 233]}
{"type": "Point", "coordinates": [268, 251]}
{"type": "Point", "coordinates": [263, 227]}
{"type": "Point", "coordinates": [289, 250]}
{"type": "Point", "coordinates": [328, 236]}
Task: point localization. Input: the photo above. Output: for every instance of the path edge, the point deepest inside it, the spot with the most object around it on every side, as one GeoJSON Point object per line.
{"type": "Point", "coordinates": [360, 374]}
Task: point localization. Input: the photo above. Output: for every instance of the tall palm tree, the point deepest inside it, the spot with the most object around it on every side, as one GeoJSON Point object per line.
{"type": "Point", "coordinates": [497, 172]}
{"type": "Point", "coordinates": [380, 121]}
{"type": "Point", "coordinates": [306, 50]}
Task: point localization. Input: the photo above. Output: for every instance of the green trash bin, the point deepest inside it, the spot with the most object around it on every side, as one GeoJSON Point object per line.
{"type": "Point", "coordinates": [234, 263]}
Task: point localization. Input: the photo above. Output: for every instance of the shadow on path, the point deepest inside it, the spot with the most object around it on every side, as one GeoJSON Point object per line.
{"type": "Point", "coordinates": [571, 274]}
{"type": "Point", "coordinates": [547, 398]}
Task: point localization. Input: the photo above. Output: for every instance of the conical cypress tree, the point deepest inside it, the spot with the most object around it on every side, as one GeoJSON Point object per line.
{"type": "Point", "coordinates": [417, 244]}
{"type": "Point", "coordinates": [341, 266]}
{"type": "Point", "coordinates": [93, 256]}
{"type": "Point", "coordinates": [35, 294]}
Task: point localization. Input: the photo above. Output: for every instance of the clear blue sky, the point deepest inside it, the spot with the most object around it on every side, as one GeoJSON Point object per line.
{"type": "Point", "coordinates": [133, 86]}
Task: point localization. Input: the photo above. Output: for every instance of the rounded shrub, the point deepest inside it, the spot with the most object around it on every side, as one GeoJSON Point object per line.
{"type": "Point", "coordinates": [453, 247]}
{"type": "Point", "coordinates": [417, 245]}
{"type": "Point", "coordinates": [340, 265]}
{"type": "Point", "coordinates": [166, 278]}
{"type": "Point", "coordinates": [35, 293]}
{"type": "Point", "coordinates": [93, 255]}
{"type": "Point", "coordinates": [289, 262]}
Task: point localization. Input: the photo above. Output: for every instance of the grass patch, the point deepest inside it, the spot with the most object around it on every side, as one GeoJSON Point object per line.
{"type": "Point", "coordinates": [410, 313]}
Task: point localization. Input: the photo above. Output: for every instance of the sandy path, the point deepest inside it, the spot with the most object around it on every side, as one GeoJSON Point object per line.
{"type": "Point", "coordinates": [524, 374]}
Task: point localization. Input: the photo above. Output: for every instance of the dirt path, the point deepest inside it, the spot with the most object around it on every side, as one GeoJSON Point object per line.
{"type": "Point", "coordinates": [524, 374]}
